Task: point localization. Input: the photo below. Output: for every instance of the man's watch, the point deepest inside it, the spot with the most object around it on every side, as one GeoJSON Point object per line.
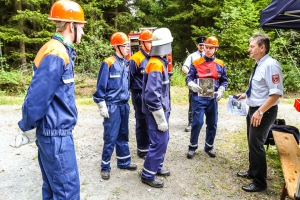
{"type": "Point", "coordinates": [260, 112]}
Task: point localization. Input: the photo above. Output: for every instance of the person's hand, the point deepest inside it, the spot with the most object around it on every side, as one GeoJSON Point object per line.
{"type": "Point", "coordinates": [256, 119]}
{"type": "Point", "coordinates": [195, 87]}
{"type": "Point", "coordinates": [220, 93]}
{"type": "Point", "coordinates": [241, 96]}
{"type": "Point", "coordinates": [24, 137]}
{"type": "Point", "coordinates": [103, 109]}
{"type": "Point", "coordinates": [160, 120]}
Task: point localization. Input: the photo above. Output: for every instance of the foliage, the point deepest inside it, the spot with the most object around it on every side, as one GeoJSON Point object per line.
{"type": "Point", "coordinates": [178, 77]}
{"type": "Point", "coordinates": [24, 28]}
{"type": "Point", "coordinates": [13, 81]}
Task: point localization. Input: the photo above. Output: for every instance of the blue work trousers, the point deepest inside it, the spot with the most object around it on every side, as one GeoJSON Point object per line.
{"type": "Point", "coordinates": [256, 138]}
{"type": "Point", "coordinates": [141, 128]}
{"type": "Point", "coordinates": [116, 134]}
{"type": "Point", "coordinates": [57, 160]}
{"type": "Point", "coordinates": [209, 107]}
{"type": "Point", "coordinates": [157, 149]}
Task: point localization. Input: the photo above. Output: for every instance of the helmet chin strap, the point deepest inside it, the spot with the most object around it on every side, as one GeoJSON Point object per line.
{"type": "Point", "coordinates": [75, 32]}
{"type": "Point", "coordinates": [147, 50]}
{"type": "Point", "coordinates": [120, 51]}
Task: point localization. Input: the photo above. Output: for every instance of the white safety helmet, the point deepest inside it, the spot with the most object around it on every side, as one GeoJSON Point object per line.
{"type": "Point", "coordinates": [161, 42]}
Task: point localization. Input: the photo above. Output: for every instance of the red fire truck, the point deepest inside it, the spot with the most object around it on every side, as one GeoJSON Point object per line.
{"type": "Point", "coordinates": [135, 45]}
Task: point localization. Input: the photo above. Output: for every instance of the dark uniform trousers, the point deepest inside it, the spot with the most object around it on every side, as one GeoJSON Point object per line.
{"type": "Point", "coordinates": [256, 137]}
{"type": "Point", "coordinates": [190, 115]}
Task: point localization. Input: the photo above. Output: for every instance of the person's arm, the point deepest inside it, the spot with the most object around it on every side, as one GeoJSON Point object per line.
{"type": "Point", "coordinates": [185, 69]}
{"type": "Point", "coordinates": [102, 80]}
{"type": "Point", "coordinates": [191, 74]}
{"type": "Point", "coordinates": [153, 89]}
{"type": "Point", "coordinates": [43, 86]}
{"type": "Point", "coordinates": [256, 117]}
{"type": "Point", "coordinates": [132, 71]}
{"type": "Point", "coordinates": [187, 63]}
{"type": "Point", "coordinates": [274, 81]}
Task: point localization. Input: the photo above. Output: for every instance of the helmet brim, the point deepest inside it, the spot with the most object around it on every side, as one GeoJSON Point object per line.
{"type": "Point", "coordinates": [66, 20]}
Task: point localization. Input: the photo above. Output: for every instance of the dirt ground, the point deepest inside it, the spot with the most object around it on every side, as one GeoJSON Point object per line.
{"type": "Point", "coordinates": [200, 178]}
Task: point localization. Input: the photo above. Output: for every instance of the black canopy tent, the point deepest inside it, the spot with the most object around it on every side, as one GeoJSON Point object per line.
{"type": "Point", "coordinates": [282, 14]}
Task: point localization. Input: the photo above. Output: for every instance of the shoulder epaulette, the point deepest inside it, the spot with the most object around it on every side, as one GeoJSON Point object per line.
{"type": "Point", "coordinates": [53, 47]}
{"type": "Point", "coordinates": [219, 62]}
{"type": "Point", "coordinates": [154, 64]}
{"type": "Point", "coordinates": [110, 60]}
{"type": "Point", "coordinates": [138, 57]}
{"type": "Point", "coordinates": [198, 61]}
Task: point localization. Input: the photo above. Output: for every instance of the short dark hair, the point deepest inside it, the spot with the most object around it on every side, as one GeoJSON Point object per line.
{"type": "Point", "coordinates": [262, 39]}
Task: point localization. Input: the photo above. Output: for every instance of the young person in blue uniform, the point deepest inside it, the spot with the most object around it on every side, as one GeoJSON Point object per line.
{"type": "Point", "coordinates": [206, 68]}
{"type": "Point", "coordinates": [262, 96]}
{"type": "Point", "coordinates": [156, 105]}
{"type": "Point", "coordinates": [49, 105]}
{"type": "Point", "coordinates": [185, 68]}
{"type": "Point", "coordinates": [137, 64]}
{"type": "Point", "coordinates": [112, 97]}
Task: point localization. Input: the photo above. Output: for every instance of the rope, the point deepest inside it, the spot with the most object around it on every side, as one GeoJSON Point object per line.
{"type": "Point", "coordinates": [288, 52]}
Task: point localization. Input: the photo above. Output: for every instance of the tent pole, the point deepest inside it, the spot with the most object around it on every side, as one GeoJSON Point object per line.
{"type": "Point", "coordinates": [288, 52]}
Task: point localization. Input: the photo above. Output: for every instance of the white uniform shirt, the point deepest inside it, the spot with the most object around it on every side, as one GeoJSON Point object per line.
{"type": "Point", "coordinates": [189, 60]}
{"type": "Point", "coordinates": [266, 81]}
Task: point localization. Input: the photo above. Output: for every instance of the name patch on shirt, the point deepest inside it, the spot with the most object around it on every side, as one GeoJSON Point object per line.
{"type": "Point", "coordinates": [275, 78]}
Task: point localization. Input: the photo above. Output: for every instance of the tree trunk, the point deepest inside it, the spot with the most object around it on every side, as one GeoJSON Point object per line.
{"type": "Point", "coordinates": [21, 30]}
{"type": "Point", "coordinates": [116, 14]}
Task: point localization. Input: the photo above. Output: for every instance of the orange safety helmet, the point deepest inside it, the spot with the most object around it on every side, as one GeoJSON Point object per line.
{"type": "Point", "coordinates": [212, 41]}
{"type": "Point", "coordinates": [66, 11]}
{"type": "Point", "coordinates": [145, 35]}
{"type": "Point", "coordinates": [118, 38]}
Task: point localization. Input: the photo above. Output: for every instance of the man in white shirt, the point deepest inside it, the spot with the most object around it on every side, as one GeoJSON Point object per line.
{"type": "Point", "coordinates": [186, 67]}
{"type": "Point", "coordinates": [262, 96]}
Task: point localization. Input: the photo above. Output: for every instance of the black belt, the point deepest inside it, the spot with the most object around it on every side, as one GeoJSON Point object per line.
{"type": "Point", "coordinates": [257, 107]}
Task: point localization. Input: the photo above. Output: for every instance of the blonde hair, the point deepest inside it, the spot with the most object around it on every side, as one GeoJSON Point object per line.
{"type": "Point", "coordinates": [61, 26]}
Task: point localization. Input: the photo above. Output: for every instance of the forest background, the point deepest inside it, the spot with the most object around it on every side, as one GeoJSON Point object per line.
{"type": "Point", "coordinates": [24, 28]}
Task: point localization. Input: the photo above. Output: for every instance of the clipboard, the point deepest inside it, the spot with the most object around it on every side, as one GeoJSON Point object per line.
{"type": "Point", "coordinates": [208, 87]}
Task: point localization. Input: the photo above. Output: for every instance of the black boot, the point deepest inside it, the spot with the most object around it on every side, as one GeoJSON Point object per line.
{"type": "Point", "coordinates": [156, 183]}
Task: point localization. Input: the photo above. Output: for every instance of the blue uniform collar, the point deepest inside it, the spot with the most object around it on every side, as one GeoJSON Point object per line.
{"type": "Point", "coordinates": [144, 53]}
{"type": "Point", "coordinates": [121, 60]}
{"type": "Point", "coordinates": [208, 59]}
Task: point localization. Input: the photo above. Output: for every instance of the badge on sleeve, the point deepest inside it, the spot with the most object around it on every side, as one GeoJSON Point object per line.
{"type": "Point", "coordinates": [275, 78]}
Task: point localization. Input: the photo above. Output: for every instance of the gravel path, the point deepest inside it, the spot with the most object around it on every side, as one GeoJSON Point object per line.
{"type": "Point", "coordinates": [199, 178]}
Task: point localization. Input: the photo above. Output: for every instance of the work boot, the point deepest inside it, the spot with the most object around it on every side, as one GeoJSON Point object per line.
{"type": "Point", "coordinates": [163, 173]}
{"type": "Point", "coordinates": [142, 156]}
{"type": "Point", "coordinates": [156, 183]}
{"type": "Point", "coordinates": [188, 128]}
{"type": "Point", "coordinates": [190, 154]}
{"type": "Point", "coordinates": [105, 175]}
{"type": "Point", "coordinates": [211, 153]}
{"type": "Point", "coordinates": [131, 167]}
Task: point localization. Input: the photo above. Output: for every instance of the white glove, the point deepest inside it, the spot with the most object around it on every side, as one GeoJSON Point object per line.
{"type": "Point", "coordinates": [195, 87]}
{"type": "Point", "coordinates": [103, 109]}
{"type": "Point", "coordinates": [220, 93]}
{"type": "Point", "coordinates": [160, 120]}
{"type": "Point", "coordinates": [24, 138]}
